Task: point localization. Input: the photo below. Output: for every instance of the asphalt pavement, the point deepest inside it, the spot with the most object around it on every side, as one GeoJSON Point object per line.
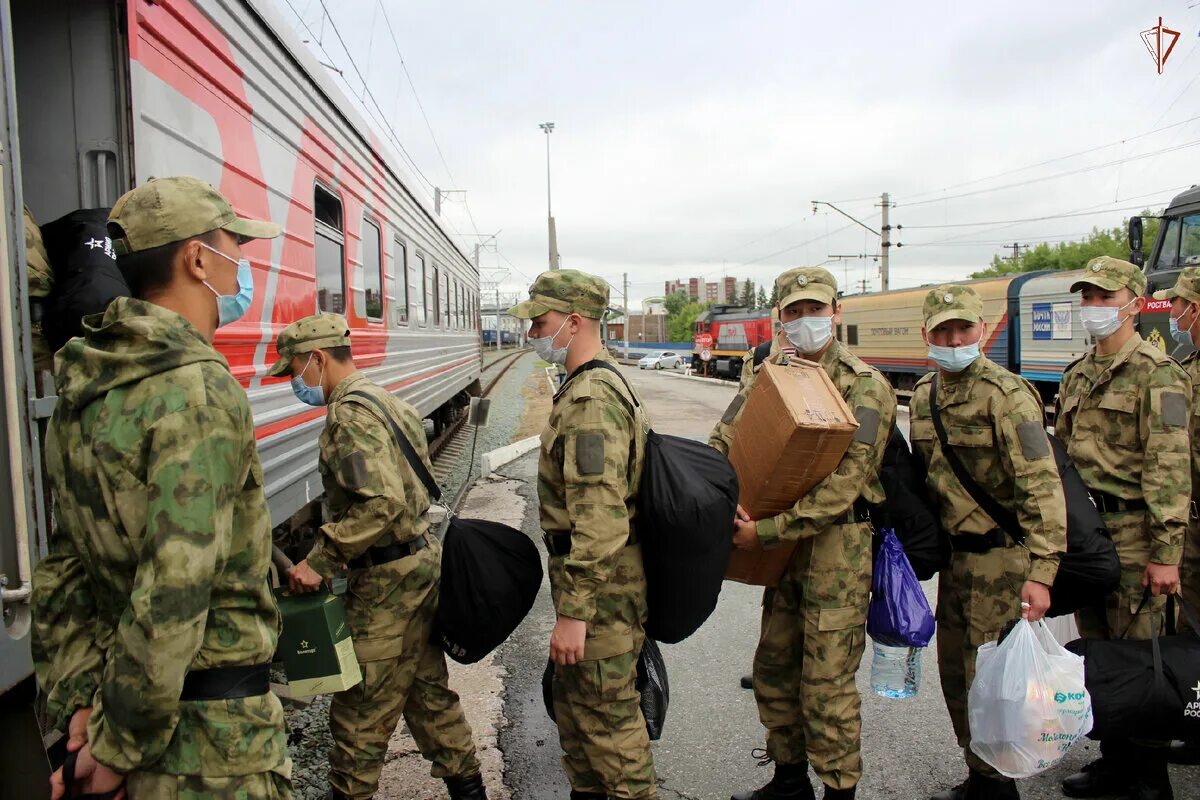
{"type": "Point", "coordinates": [712, 724]}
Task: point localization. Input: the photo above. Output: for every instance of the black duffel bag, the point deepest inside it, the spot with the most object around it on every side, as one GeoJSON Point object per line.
{"type": "Point", "coordinates": [651, 683]}
{"type": "Point", "coordinates": [1090, 570]}
{"type": "Point", "coordinates": [86, 277]}
{"type": "Point", "coordinates": [1144, 689]}
{"type": "Point", "coordinates": [491, 573]}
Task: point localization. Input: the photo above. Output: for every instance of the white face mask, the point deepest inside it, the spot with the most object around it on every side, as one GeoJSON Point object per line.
{"type": "Point", "coordinates": [809, 334]}
{"type": "Point", "coordinates": [954, 359]}
{"type": "Point", "coordinates": [1103, 321]}
{"type": "Point", "coordinates": [545, 349]}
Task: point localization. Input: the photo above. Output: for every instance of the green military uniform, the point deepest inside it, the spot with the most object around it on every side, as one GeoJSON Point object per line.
{"type": "Point", "coordinates": [1124, 418]}
{"type": "Point", "coordinates": [589, 468]}
{"type": "Point", "coordinates": [814, 621]}
{"type": "Point", "coordinates": [41, 283]}
{"type": "Point", "coordinates": [994, 421]}
{"type": "Point", "coordinates": [1187, 286]}
{"type": "Point", "coordinates": [376, 512]}
{"type": "Point", "coordinates": [157, 568]}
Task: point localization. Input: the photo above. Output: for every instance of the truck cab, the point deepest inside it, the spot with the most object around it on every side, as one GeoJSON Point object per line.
{"type": "Point", "coordinates": [1176, 247]}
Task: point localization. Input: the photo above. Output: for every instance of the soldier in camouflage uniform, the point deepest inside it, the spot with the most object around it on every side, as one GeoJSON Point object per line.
{"type": "Point", "coordinates": [1123, 412]}
{"type": "Point", "coordinates": [590, 465]}
{"type": "Point", "coordinates": [993, 420]}
{"type": "Point", "coordinates": [814, 621]}
{"type": "Point", "coordinates": [41, 282]}
{"type": "Point", "coordinates": [1185, 307]}
{"type": "Point", "coordinates": [153, 620]}
{"type": "Point", "coordinates": [377, 526]}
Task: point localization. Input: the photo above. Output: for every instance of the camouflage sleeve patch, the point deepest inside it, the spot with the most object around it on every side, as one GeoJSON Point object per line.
{"type": "Point", "coordinates": [732, 411]}
{"type": "Point", "coordinates": [1174, 409]}
{"type": "Point", "coordinates": [1034, 443]}
{"type": "Point", "coordinates": [589, 453]}
{"type": "Point", "coordinates": [353, 471]}
{"type": "Point", "coordinates": [868, 424]}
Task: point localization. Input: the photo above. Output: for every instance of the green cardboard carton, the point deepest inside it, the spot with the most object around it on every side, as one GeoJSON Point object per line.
{"type": "Point", "coordinates": [315, 643]}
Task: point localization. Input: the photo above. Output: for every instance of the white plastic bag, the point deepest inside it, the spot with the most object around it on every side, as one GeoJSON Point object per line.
{"type": "Point", "coordinates": [1027, 704]}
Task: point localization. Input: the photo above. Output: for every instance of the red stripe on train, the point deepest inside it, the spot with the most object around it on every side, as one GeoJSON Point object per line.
{"type": "Point", "coordinates": [270, 429]}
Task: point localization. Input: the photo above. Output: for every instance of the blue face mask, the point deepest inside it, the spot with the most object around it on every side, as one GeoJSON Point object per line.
{"type": "Point", "coordinates": [954, 359]}
{"type": "Point", "coordinates": [1181, 336]}
{"type": "Point", "coordinates": [309, 395]}
{"type": "Point", "coordinates": [231, 307]}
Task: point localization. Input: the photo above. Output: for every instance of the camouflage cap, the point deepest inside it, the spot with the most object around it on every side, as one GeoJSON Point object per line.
{"type": "Point", "coordinates": [1112, 274]}
{"type": "Point", "coordinates": [805, 283]}
{"type": "Point", "coordinates": [1187, 286]}
{"type": "Point", "coordinates": [566, 290]}
{"type": "Point", "coordinates": [165, 210]}
{"type": "Point", "coordinates": [321, 331]}
{"type": "Point", "coordinates": [952, 301]}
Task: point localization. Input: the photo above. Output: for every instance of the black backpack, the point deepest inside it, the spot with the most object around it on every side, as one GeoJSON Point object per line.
{"type": "Point", "coordinates": [491, 573]}
{"type": "Point", "coordinates": [1090, 569]}
{"type": "Point", "coordinates": [907, 508]}
{"type": "Point", "coordinates": [86, 277]}
{"type": "Point", "coordinates": [687, 500]}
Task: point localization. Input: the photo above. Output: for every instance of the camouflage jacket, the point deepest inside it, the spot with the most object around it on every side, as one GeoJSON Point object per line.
{"type": "Point", "coordinates": [1125, 422]}
{"type": "Point", "coordinates": [589, 468]}
{"type": "Point", "coordinates": [158, 560]}
{"type": "Point", "coordinates": [873, 401]}
{"type": "Point", "coordinates": [1191, 365]}
{"type": "Point", "coordinates": [372, 495]}
{"type": "Point", "coordinates": [41, 283]}
{"type": "Point", "coordinates": [994, 421]}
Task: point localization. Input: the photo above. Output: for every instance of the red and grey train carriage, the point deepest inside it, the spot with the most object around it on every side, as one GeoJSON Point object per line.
{"type": "Point", "coordinates": [101, 95]}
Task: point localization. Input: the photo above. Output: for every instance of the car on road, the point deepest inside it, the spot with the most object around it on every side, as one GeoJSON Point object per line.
{"type": "Point", "coordinates": [667, 359]}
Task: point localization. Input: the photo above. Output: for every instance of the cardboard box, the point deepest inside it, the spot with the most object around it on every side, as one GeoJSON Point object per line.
{"type": "Point", "coordinates": [791, 435]}
{"type": "Point", "coordinates": [315, 644]}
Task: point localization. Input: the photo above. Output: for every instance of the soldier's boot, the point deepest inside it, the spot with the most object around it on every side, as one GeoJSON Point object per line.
{"type": "Point", "coordinates": [1184, 752]}
{"type": "Point", "coordinates": [839, 794]}
{"type": "Point", "coordinates": [466, 788]}
{"type": "Point", "coordinates": [984, 787]}
{"type": "Point", "coordinates": [334, 794]}
{"type": "Point", "coordinates": [790, 782]}
{"type": "Point", "coordinates": [1107, 775]}
{"type": "Point", "coordinates": [1150, 778]}
{"type": "Point", "coordinates": [588, 795]}
{"type": "Point", "coordinates": [747, 681]}
{"type": "Point", "coordinates": [953, 793]}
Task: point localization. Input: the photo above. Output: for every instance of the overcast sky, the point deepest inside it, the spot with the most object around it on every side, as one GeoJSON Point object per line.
{"type": "Point", "coordinates": [691, 137]}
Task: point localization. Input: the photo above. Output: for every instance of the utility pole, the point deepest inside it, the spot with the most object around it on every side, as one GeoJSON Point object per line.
{"type": "Point", "coordinates": [497, 317]}
{"type": "Point", "coordinates": [548, 127]}
{"type": "Point", "coordinates": [885, 243]}
{"type": "Point", "coordinates": [1016, 248]}
{"type": "Point", "coordinates": [625, 302]}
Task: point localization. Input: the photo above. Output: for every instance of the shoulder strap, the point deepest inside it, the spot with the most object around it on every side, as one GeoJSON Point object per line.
{"type": "Point", "coordinates": [761, 352]}
{"type": "Point", "coordinates": [410, 453]}
{"type": "Point", "coordinates": [598, 364]}
{"type": "Point", "coordinates": [1003, 517]}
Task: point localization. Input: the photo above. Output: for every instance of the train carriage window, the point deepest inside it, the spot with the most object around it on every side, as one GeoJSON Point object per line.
{"type": "Point", "coordinates": [329, 244]}
{"type": "Point", "coordinates": [852, 335]}
{"type": "Point", "coordinates": [437, 296]}
{"type": "Point", "coordinates": [400, 257]}
{"type": "Point", "coordinates": [422, 290]}
{"type": "Point", "coordinates": [372, 265]}
{"type": "Point", "coordinates": [446, 300]}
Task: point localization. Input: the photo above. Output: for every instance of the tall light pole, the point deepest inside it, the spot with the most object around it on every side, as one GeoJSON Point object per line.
{"type": "Point", "coordinates": [884, 234]}
{"type": "Point", "coordinates": [548, 127]}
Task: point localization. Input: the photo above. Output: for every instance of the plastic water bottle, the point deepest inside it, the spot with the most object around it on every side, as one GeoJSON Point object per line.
{"type": "Point", "coordinates": [895, 671]}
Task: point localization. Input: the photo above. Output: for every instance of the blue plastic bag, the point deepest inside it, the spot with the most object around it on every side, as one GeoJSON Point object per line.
{"type": "Point", "coordinates": [899, 614]}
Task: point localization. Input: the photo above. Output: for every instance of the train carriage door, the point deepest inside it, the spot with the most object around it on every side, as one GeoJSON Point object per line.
{"type": "Point", "coordinates": [71, 61]}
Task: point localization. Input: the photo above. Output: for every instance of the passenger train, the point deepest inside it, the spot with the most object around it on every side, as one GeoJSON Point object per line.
{"type": "Point", "coordinates": [101, 95]}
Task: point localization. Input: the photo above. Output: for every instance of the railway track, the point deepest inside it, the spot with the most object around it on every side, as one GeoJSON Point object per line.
{"type": "Point", "coordinates": [449, 447]}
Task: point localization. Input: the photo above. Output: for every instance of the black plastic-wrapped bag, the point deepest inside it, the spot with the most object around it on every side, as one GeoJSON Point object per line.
{"type": "Point", "coordinates": [651, 683]}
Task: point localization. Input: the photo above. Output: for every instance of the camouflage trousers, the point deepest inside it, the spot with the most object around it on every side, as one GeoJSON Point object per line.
{"type": "Point", "coordinates": [1118, 617]}
{"type": "Point", "coordinates": [275, 785]}
{"type": "Point", "coordinates": [977, 595]}
{"type": "Point", "coordinates": [606, 749]}
{"type": "Point", "coordinates": [812, 640]}
{"type": "Point", "coordinates": [412, 682]}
